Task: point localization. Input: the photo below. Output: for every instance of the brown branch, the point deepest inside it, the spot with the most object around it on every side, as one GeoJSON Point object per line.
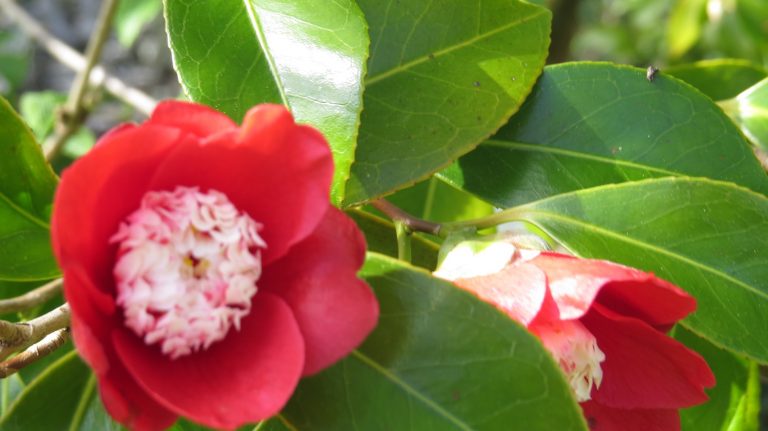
{"type": "Point", "coordinates": [414, 224]}
{"type": "Point", "coordinates": [16, 336]}
{"type": "Point", "coordinates": [31, 298]}
{"type": "Point", "coordinates": [75, 61]}
{"type": "Point", "coordinates": [72, 115]}
{"type": "Point", "coordinates": [35, 352]}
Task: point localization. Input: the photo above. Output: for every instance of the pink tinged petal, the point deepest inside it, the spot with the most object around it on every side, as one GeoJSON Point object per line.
{"type": "Point", "coordinates": [520, 290]}
{"type": "Point", "coordinates": [245, 378]}
{"type": "Point", "coordinates": [277, 172]}
{"type": "Point", "coordinates": [644, 368]}
{"type": "Point", "coordinates": [193, 118]}
{"type": "Point", "coordinates": [334, 309]}
{"type": "Point", "coordinates": [98, 191]}
{"type": "Point", "coordinates": [575, 284]}
{"type": "Point", "coordinates": [602, 418]}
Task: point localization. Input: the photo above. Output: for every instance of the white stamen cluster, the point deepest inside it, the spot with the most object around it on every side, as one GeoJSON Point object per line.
{"type": "Point", "coordinates": [576, 351]}
{"type": "Point", "coordinates": [186, 269]}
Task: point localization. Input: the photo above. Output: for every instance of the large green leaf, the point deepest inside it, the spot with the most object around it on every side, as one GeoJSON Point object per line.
{"type": "Point", "coordinates": [734, 403]}
{"type": "Point", "coordinates": [55, 400]}
{"type": "Point", "coordinates": [27, 184]}
{"type": "Point", "coordinates": [719, 79]}
{"type": "Point", "coordinates": [234, 54]}
{"type": "Point", "coordinates": [443, 75]}
{"type": "Point", "coordinates": [589, 124]}
{"type": "Point", "coordinates": [439, 359]}
{"type": "Point", "coordinates": [708, 237]}
{"type": "Point", "coordinates": [750, 111]}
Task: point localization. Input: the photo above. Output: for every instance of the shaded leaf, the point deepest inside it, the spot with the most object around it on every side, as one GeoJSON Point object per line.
{"type": "Point", "coordinates": [440, 359]}
{"type": "Point", "coordinates": [234, 54]}
{"type": "Point", "coordinates": [132, 16]}
{"type": "Point", "coordinates": [27, 184]}
{"type": "Point", "coordinates": [589, 124]}
{"type": "Point", "coordinates": [719, 79]}
{"type": "Point", "coordinates": [442, 76]}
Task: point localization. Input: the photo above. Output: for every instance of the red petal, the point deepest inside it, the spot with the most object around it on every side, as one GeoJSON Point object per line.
{"type": "Point", "coordinates": [602, 418]}
{"type": "Point", "coordinates": [277, 172]}
{"type": "Point", "coordinates": [244, 378]}
{"type": "Point", "coordinates": [575, 283]}
{"type": "Point", "coordinates": [518, 290]}
{"type": "Point", "coordinates": [334, 309]}
{"type": "Point", "coordinates": [98, 191]}
{"type": "Point", "coordinates": [644, 368]}
{"type": "Point", "coordinates": [193, 118]}
{"type": "Point", "coordinates": [128, 404]}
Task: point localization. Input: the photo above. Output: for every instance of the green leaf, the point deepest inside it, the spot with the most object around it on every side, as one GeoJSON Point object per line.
{"type": "Point", "coordinates": [380, 236]}
{"type": "Point", "coordinates": [719, 79]}
{"type": "Point", "coordinates": [439, 359]}
{"type": "Point", "coordinates": [38, 109]}
{"type": "Point", "coordinates": [750, 111]}
{"type": "Point", "coordinates": [435, 199]}
{"type": "Point", "coordinates": [734, 404]}
{"type": "Point", "coordinates": [708, 237]}
{"type": "Point", "coordinates": [234, 54]}
{"type": "Point", "coordinates": [684, 26]}
{"type": "Point", "coordinates": [589, 124]}
{"type": "Point", "coordinates": [10, 388]}
{"type": "Point", "coordinates": [132, 16]}
{"type": "Point", "coordinates": [27, 184]}
{"type": "Point", "coordinates": [443, 75]}
{"type": "Point", "coordinates": [55, 400]}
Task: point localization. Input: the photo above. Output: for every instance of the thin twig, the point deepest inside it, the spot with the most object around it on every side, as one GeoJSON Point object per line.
{"type": "Point", "coordinates": [73, 113]}
{"type": "Point", "coordinates": [414, 224]}
{"type": "Point", "coordinates": [75, 61]}
{"type": "Point", "coordinates": [35, 352]}
{"type": "Point", "coordinates": [32, 298]}
{"type": "Point", "coordinates": [16, 336]}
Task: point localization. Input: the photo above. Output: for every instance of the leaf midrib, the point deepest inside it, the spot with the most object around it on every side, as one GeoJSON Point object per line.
{"type": "Point", "coordinates": [34, 219]}
{"type": "Point", "coordinates": [569, 153]}
{"type": "Point", "coordinates": [395, 70]}
{"type": "Point", "coordinates": [640, 244]}
{"type": "Point", "coordinates": [408, 388]}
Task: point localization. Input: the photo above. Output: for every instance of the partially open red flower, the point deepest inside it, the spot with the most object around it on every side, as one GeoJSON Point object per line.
{"type": "Point", "coordinates": [605, 325]}
{"type": "Point", "coordinates": [205, 268]}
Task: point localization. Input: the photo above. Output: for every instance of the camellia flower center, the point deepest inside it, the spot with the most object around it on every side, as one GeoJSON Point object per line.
{"type": "Point", "coordinates": [186, 269]}
{"type": "Point", "coordinates": [576, 351]}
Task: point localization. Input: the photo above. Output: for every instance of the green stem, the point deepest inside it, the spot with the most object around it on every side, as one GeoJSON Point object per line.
{"type": "Point", "coordinates": [506, 216]}
{"type": "Point", "coordinates": [403, 241]}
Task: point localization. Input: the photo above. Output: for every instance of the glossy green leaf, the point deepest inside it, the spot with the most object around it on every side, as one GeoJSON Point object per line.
{"type": "Point", "coordinates": [437, 200]}
{"type": "Point", "coordinates": [734, 403]}
{"type": "Point", "coordinates": [380, 237]}
{"type": "Point", "coordinates": [10, 388]}
{"type": "Point", "coordinates": [719, 79]}
{"type": "Point", "coordinates": [55, 400]}
{"type": "Point", "coordinates": [442, 76]}
{"type": "Point", "coordinates": [589, 124]}
{"type": "Point", "coordinates": [685, 25]}
{"type": "Point", "coordinates": [750, 111]}
{"type": "Point", "coordinates": [27, 184]}
{"type": "Point", "coordinates": [439, 359]}
{"type": "Point", "coordinates": [234, 54]}
{"type": "Point", "coordinates": [708, 237]}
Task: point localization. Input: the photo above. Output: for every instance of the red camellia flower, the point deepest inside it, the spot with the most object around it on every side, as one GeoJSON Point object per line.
{"type": "Point", "coordinates": [204, 266]}
{"type": "Point", "coordinates": [605, 325]}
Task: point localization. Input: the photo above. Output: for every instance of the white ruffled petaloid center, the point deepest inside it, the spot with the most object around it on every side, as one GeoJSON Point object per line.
{"type": "Point", "coordinates": [576, 350]}
{"type": "Point", "coordinates": [186, 270]}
